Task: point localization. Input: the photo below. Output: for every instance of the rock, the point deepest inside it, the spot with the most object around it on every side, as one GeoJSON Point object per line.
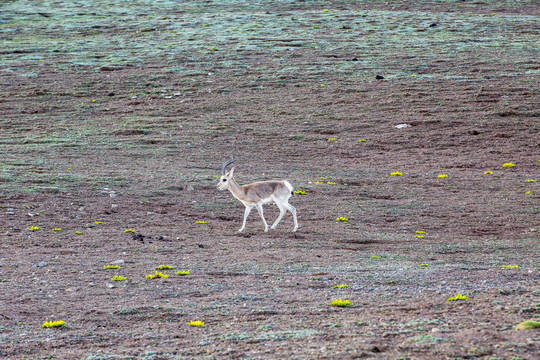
{"type": "Point", "coordinates": [111, 286]}
{"type": "Point", "coordinates": [436, 330]}
{"type": "Point", "coordinates": [379, 77]}
{"type": "Point", "coordinates": [433, 25]}
{"type": "Point", "coordinates": [42, 264]}
{"type": "Point", "coordinates": [403, 126]}
{"type": "Point", "coordinates": [117, 262]}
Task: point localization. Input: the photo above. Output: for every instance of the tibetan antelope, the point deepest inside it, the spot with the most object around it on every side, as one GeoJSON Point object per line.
{"type": "Point", "coordinates": [257, 194]}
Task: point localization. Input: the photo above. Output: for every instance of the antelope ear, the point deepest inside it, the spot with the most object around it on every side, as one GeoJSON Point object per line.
{"type": "Point", "coordinates": [230, 173]}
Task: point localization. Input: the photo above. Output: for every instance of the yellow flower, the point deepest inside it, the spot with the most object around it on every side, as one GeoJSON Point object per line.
{"type": "Point", "coordinates": [362, 140]}
{"type": "Point", "coordinates": [318, 182]}
{"type": "Point", "coordinates": [420, 232]}
{"type": "Point", "coordinates": [331, 183]}
{"type": "Point", "coordinates": [420, 236]}
{"type": "Point", "coordinates": [57, 229]}
{"type": "Point", "coordinates": [341, 286]}
{"type": "Point", "coordinates": [340, 303]}
{"type": "Point", "coordinates": [375, 257]}
{"type": "Point", "coordinates": [111, 267]}
{"type": "Point", "coordinates": [129, 230]}
{"type": "Point", "coordinates": [165, 267]}
{"type": "Point", "coordinates": [332, 139]}
{"type": "Point", "coordinates": [510, 266]}
{"type": "Point", "coordinates": [118, 278]}
{"type": "Point", "coordinates": [342, 219]}
{"type": "Point", "coordinates": [488, 172]}
{"type": "Point", "coordinates": [201, 222]}
{"type": "Point", "coordinates": [324, 178]}
{"type": "Point", "coordinates": [48, 324]}
{"type": "Point", "coordinates": [98, 222]}
{"type": "Point", "coordinates": [441, 176]}
{"type": "Point", "coordinates": [397, 173]}
{"type": "Point", "coordinates": [157, 275]}
{"type": "Point", "coordinates": [300, 192]}
{"type": "Point", "coordinates": [508, 165]}
{"type": "Point", "coordinates": [528, 325]}
{"type": "Point", "coordinates": [34, 228]}
{"type": "Point", "coordinates": [423, 265]}
{"type": "Point", "coordinates": [78, 232]}
{"type": "Point", "coordinates": [530, 180]}
{"type": "Point", "coordinates": [196, 323]}
{"type": "Point", "coordinates": [458, 297]}
{"type": "Point", "coordinates": [528, 192]}
{"type": "Point", "coordinates": [182, 273]}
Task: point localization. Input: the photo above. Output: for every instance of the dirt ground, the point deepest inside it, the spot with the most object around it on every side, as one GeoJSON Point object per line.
{"type": "Point", "coordinates": [117, 115]}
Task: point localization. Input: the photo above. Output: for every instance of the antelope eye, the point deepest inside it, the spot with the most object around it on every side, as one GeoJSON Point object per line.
{"type": "Point", "coordinates": [224, 180]}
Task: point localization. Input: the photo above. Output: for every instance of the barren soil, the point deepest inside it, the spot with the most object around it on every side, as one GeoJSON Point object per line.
{"type": "Point", "coordinates": [146, 99]}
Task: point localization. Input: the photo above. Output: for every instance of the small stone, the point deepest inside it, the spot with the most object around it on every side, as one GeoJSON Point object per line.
{"type": "Point", "coordinates": [403, 126]}
{"type": "Point", "coordinates": [91, 284]}
{"type": "Point", "coordinates": [436, 330]}
{"type": "Point", "coordinates": [42, 264]}
{"type": "Point", "coordinates": [379, 77]}
{"type": "Point", "coordinates": [433, 25]}
{"type": "Point", "coordinates": [111, 286]}
{"type": "Point", "coordinates": [117, 262]}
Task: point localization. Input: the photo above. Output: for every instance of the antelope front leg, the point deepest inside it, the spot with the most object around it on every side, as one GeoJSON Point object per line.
{"type": "Point", "coordinates": [246, 213]}
{"type": "Point", "coordinates": [260, 210]}
{"type": "Point", "coordinates": [282, 212]}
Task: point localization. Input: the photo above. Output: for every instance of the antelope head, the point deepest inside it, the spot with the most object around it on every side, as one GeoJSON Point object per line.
{"type": "Point", "coordinates": [226, 176]}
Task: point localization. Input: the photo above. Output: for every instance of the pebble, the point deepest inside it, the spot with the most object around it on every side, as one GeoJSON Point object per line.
{"type": "Point", "coordinates": [42, 264]}
{"type": "Point", "coordinates": [117, 262]}
{"type": "Point", "coordinates": [436, 330]}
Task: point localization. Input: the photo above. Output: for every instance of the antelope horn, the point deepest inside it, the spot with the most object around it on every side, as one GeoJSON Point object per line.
{"type": "Point", "coordinates": [227, 163]}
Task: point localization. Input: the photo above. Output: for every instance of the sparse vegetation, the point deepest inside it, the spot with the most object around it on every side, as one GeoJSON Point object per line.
{"type": "Point", "coordinates": [118, 114]}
